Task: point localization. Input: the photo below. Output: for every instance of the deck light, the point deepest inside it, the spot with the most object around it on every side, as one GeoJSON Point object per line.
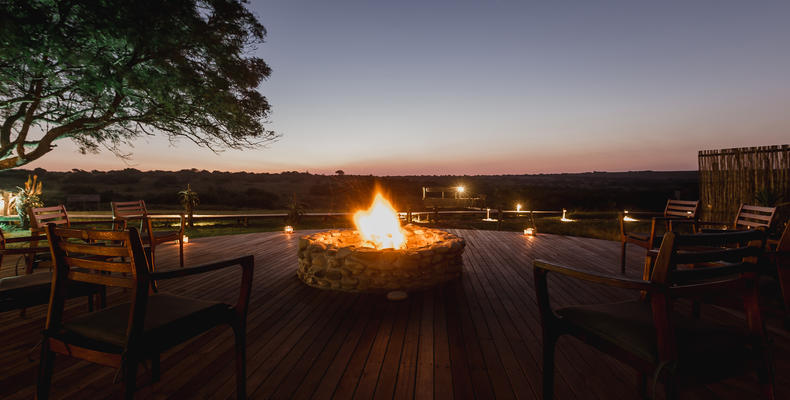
{"type": "Point", "coordinates": [529, 232]}
{"type": "Point", "coordinates": [628, 218]}
{"type": "Point", "coordinates": [185, 239]}
{"type": "Point", "coordinates": [564, 219]}
{"type": "Point", "coordinates": [488, 216]}
{"type": "Point", "coordinates": [289, 229]}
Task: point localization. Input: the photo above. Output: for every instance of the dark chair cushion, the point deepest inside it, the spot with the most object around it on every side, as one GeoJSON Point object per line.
{"type": "Point", "coordinates": [629, 325]}
{"type": "Point", "coordinates": [169, 319]}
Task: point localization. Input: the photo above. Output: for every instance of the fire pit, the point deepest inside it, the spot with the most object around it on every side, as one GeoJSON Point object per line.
{"type": "Point", "coordinates": [380, 255]}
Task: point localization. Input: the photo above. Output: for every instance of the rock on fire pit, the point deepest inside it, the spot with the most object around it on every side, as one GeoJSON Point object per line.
{"type": "Point", "coordinates": [338, 259]}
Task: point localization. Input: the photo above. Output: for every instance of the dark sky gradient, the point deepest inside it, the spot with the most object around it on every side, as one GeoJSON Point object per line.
{"type": "Point", "coordinates": [490, 87]}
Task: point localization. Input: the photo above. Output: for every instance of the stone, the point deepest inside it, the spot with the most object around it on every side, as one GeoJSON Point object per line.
{"type": "Point", "coordinates": [340, 260]}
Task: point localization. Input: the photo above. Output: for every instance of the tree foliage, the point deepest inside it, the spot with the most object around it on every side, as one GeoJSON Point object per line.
{"type": "Point", "coordinates": [102, 72]}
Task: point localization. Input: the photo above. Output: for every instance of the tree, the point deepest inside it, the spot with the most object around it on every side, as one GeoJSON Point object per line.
{"type": "Point", "coordinates": [105, 72]}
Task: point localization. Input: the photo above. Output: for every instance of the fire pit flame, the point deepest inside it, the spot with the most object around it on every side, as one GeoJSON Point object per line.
{"type": "Point", "coordinates": [379, 225]}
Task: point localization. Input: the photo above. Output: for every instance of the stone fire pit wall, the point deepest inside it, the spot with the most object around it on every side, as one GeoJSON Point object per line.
{"type": "Point", "coordinates": [337, 260]}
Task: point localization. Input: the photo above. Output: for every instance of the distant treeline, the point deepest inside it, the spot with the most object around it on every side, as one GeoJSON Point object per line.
{"type": "Point", "coordinates": [640, 190]}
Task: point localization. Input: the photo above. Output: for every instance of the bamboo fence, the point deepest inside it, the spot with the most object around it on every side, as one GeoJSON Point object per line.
{"type": "Point", "coordinates": [729, 177]}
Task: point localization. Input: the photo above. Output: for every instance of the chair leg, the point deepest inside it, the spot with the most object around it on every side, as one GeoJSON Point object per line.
{"type": "Point", "coordinates": [549, 344]}
{"type": "Point", "coordinates": [103, 297]}
{"type": "Point", "coordinates": [239, 331]}
{"type": "Point", "coordinates": [696, 309]}
{"type": "Point", "coordinates": [46, 363]}
{"type": "Point", "coordinates": [156, 368]}
{"type": "Point", "coordinates": [765, 374]}
{"type": "Point", "coordinates": [129, 377]}
{"type": "Point", "coordinates": [642, 385]}
{"type": "Point", "coordinates": [783, 273]}
{"type": "Point", "coordinates": [153, 258]}
{"type": "Point", "coordinates": [181, 251]}
{"type": "Point", "coordinates": [622, 257]}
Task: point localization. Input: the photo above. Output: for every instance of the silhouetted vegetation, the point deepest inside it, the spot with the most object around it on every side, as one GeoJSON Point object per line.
{"type": "Point", "coordinates": [644, 190]}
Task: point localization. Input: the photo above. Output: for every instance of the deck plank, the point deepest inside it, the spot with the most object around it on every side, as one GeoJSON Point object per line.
{"type": "Point", "coordinates": [477, 337]}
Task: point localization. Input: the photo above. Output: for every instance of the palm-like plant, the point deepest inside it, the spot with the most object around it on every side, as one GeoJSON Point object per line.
{"type": "Point", "coordinates": [295, 211]}
{"type": "Point", "coordinates": [190, 200]}
{"type": "Point", "coordinates": [27, 198]}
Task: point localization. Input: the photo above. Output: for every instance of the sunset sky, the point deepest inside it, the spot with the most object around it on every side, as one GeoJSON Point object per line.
{"type": "Point", "coordinates": [502, 87]}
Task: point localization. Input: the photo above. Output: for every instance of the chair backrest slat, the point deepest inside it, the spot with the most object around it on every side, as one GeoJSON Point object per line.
{"type": "Point", "coordinates": [686, 276]}
{"type": "Point", "coordinates": [725, 254]}
{"type": "Point", "coordinates": [681, 208]}
{"type": "Point", "coordinates": [107, 266]}
{"type": "Point", "coordinates": [117, 281]}
{"type": "Point", "coordinates": [754, 216]}
{"type": "Point", "coordinates": [40, 217]}
{"type": "Point", "coordinates": [86, 248]}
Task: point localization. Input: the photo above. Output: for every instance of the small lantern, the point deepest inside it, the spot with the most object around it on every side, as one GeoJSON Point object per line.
{"type": "Point", "coordinates": [529, 232]}
{"type": "Point", "coordinates": [289, 229]}
{"type": "Point", "coordinates": [628, 218]}
{"type": "Point", "coordinates": [185, 239]}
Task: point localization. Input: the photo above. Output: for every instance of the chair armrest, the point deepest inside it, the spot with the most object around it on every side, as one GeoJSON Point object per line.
{"type": "Point", "coordinates": [98, 221]}
{"type": "Point", "coordinates": [182, 272]}
{"type": "Point", "coordinates": [541, 269]}
{"type": "Point", "coordinates": [712, 223]}
{"type": "Point", "coordinates": [24, 250]}
{"type": "Point", "coordinates": [247, 264]}
{"type": "Point", "coordinates": [595, 277]}
{"type": "Point", "coordinates": [22, 239]}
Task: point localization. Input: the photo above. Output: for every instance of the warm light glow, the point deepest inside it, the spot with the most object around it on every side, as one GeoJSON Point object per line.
{"type": "Point", "coordinates": [289, 229]}
{"type": "Point", "coordinates": [460, 189]}
{"type": "Point", "coordinates": [627, 218]}
{"type": "Point", "coordinates": [186, 239]}
{"type": "Point", "coordinates": [488, 216]}
{"type": "Point", "coordinates": [379, 225]}
{"type": "Point", "coordinates": [529, 232]}
{"type": "Point", "coordinates": [564, 219]}
{"type": "Point", "coordinates": [518, 208]}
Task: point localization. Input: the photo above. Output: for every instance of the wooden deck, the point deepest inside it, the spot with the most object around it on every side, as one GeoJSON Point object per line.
{"type": "Point", "coordinates": [477, 337]}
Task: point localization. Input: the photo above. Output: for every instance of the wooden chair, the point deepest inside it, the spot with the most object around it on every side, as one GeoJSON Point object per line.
{"type": "Point", "coordinates": [126, 211]}
{"type": "Point", "coordinates": [657, 341]}
{"type": "Point", "coordinates": [33, 288]}
{"type": "Point", "coordinates": [124, 335]}
{"type": "Point", "coordinates": [675, 210]}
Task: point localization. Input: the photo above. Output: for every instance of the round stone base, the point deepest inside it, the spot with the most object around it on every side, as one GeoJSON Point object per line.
{"type": "Point", "coordinates": [337, 260]}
